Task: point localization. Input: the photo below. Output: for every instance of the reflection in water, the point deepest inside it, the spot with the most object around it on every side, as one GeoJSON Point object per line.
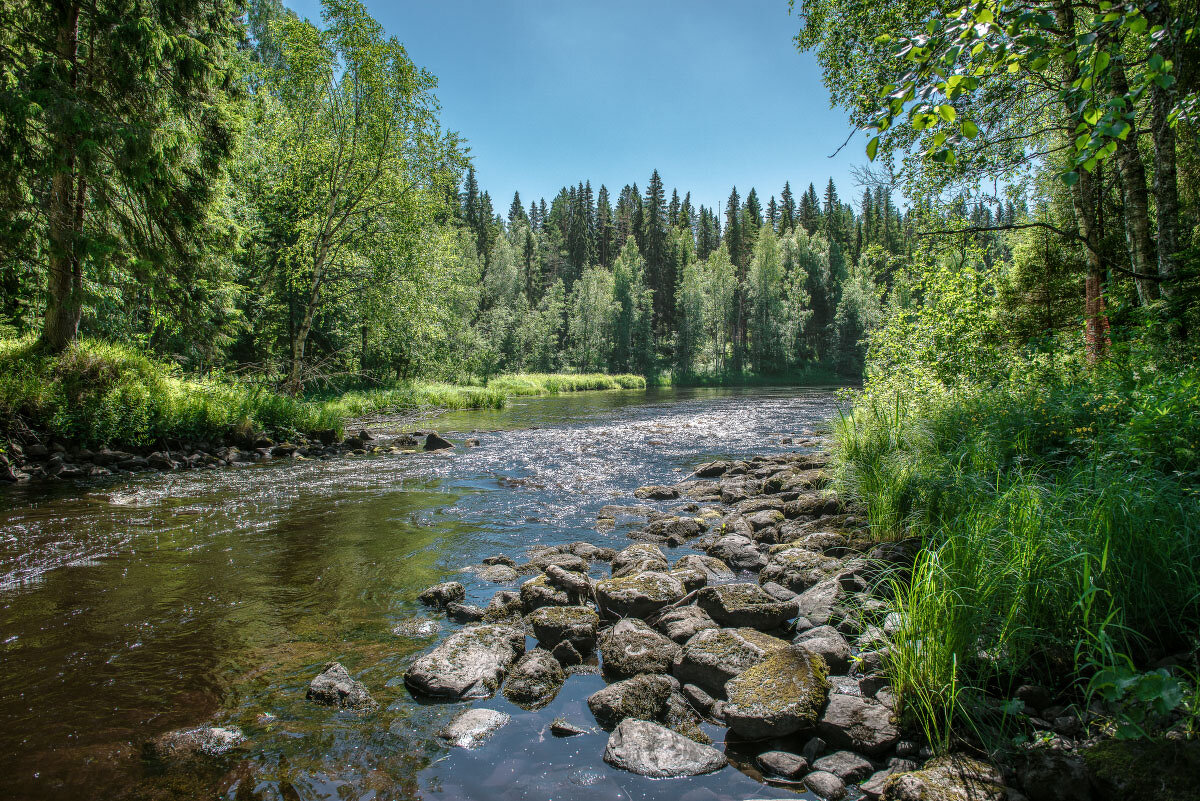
{"type": "Point", "coordinates": [129, 608]}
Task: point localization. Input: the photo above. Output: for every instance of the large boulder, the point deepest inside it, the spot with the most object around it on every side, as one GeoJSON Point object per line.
{"type": "Point", "coordinates": [639, 595]}
{"type": "Point", "coordinates": [631, 647]}
{"type": "Point", "coordinates": [744, 605]}
{"type": "Point", "coordinates": [554, 624]}
{"type": "Point", "coordinates": [798, 569]}
{"type": "Point", "coordinates": [539, 592]}
{"type": "Point", "coordinates": [471, 727]}
{"type": "Point", "coordinates": [848, 766]}
{"type": "Point", "coordinates": [822, 603]}
{"type": "Point", "coordinates": [714, 656]}
{"type": "Point", "coordinates": [830, 644]}
{"type": "Point", "coordinates": [566, 561]}
{"type": "Point", "coordinates": [335, 687]}
{"type": "Point", "coordinates": [956, 777]}
{"type": "Point", "coordinates": [858, 724]}
{"type": "Point", "coordinates": [534, 680]}
{"type": "Point", "coordinates": [656, 492]}
{"type": "Point", "coordinates": [499, 574]}
{"type": "Point", "coordinates": [639, 558]}
{"type": "Point", "coordinates": [682, 623]}
{"type": "Point", "coordinates": [645, 697]}
{"type": "Point", "coordinates": [649, 749]}
{"type": "Point", "coordinates": [712, 469]}
{"type": "Point", "coordinates": [441, 594]}
{"type": "Point", "coordinates": [673, 530]}
{"type": "Point", "coordinates": [780, 695]}
{"type": "Point", "coordinates": [739, 552]}
{"type": "Point", "coordinates": [715, 569]}
{"type": "Point", "coordinates": [469, 664]}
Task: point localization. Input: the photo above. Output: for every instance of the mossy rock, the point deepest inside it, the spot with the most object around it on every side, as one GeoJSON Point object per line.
{"type": "Point", "coordinates": [1127, 769]}
{"type": "Point", "coordinates": [781, 695]}
{"type": "Point", "coordinates": [955, 777]}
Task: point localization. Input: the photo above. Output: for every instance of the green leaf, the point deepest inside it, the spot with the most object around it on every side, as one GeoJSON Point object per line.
{"type": "Point", "coordinates": [1070, 178]}
{"type": "Point", "coordinates": [872, 148]}
{"type": "Point", "coordinates": [947, 112]}
{"type": "Point", "coordinates": [970, 129]}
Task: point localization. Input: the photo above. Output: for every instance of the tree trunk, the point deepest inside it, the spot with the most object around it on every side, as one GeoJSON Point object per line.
{"type": "Point", "coordinates": [1095, 316]}
{"type": "Point", "coordinates": [68, 193]}
{"type": "Point", "coordinates": [1137, 205]}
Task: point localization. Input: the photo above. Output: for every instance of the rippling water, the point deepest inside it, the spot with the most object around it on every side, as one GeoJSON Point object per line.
{"type": "Point", "coordinates": [131, 607]}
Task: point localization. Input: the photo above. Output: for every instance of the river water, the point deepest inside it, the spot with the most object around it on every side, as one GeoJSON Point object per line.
{"type": "Point", "coordinates": [130, 607]}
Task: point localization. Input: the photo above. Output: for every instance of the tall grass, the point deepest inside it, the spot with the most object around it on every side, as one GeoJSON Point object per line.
{"type": "Point", "coordinates": [1058, 528]}
{"type": "Point", "coordinates": [554, 383]}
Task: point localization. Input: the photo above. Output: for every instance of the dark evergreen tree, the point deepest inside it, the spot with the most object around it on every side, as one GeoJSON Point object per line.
{"type": "Point", "coordinates": [787, 209]}
{"type": "Point", "coordinates": [659, 274]}
{"type": "Point", "coordinates": [605, 229]}
{"type": "Point", "coordinates": [516, 210]}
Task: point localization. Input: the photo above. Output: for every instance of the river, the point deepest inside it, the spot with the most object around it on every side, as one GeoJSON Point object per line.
{"type": "Point", "coordinates": [129, 607]}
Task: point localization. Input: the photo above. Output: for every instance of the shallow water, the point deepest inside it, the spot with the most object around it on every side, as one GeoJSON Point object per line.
{"type": "Point", "coordinates": [130, 607]}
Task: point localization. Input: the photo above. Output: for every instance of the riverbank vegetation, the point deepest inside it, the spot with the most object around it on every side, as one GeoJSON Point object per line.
{"type": "Point", "coordinates": [1030, 408]}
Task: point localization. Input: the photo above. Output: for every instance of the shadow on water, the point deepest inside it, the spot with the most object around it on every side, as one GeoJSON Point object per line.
{"type": "Point", "coordinates": [133, 607]}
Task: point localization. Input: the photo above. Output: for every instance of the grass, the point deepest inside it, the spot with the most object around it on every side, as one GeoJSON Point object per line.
{"type": "Point", "coordinates": [100, 394]}
{"type": "Point", "coordinates": [813, 375]}
{"type": "Point", "coordinates": [1059, 524]}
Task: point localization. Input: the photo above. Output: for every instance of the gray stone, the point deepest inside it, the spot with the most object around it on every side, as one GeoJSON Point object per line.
{"type": "Point", "coordinates": [441, 594]}
{"type": "Point", "coordinates": [826, 785]}
{"type": "Point", "coordinates": [820, 603]}
{"type": "Point", "coordinates": [501, 559]}
{"type": "Point", "coordinates": [470, 663]}
{"type": "Point", "coordinates": [464, 613]}
{"type": "Point", "coordinates": [499, 574]}
{"type": "Point", "coordinates": [714, 656]}
{"type": "Point", "coordinates": [539, 592]}
{"type": "Point", "coordinates": [504, 604]}
{"type": "Point", "coordinates": [656, 493]}
{"type": "Point", "coordinates": [435, 442]}
{"type": "Point", "coordinates": [561, 727]}
{"type": "Point", "coordinates": [643, 556]}
{"type": "Point", "coordinates": [956, 777]}
{"type": "Point", "coordinates": [631, 647]}
{"type": "Point", "coordinates": [797, 569]}
{"type": "Point", "coordinates": [534, 680]}
{"type": "Point", "coordinates": [569, 580]}
{"type": "Point", "coordinates": [645, 697]}
{"type": "Point", "coordinates": [744, 605]}
{"type": "Point", "coordinates": [738, 552]}
{"type": "Point", "coordinates": [554, 624]}
{"type": "Point", "coordinates": [471, 727]}
{"type": "Point", "coordinates": [649, 749]}
{"type": "Point", "coordinates": [683, 622]}
{"type": "Point", "coordinates": [846, 765]}
{"type": "Point", "coordinates": [715, 569]}
{"type": "Point", "coordinates": [640, 595]}
{"type": "Point", "coordinates": [711, 469]}
{"type": "Point", "coordinates": [780, 695]}
{"type": "Point", "coordinates": [830, 644]}
{"type": "Point", "coordinates": [783, 764]}
{"type": "Point", "coordinates": [335, 687]}
{"type": "Point", "coordinates": [675, 530]}
{"type": "Point", "coordinates": [195, 745]}
{"type": "Point", "coordinates": [764, 519]}
{"type": "Point", "coordinates": [566, 561]}
{"type": "Point", "coordinates": [701, 701]}
{"type": "Point", "coordinates": [858, 724]}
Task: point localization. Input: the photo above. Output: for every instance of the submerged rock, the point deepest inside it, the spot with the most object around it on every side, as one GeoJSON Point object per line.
{"type": "Point", "coordinates": [335, 687]}
{"type": "Point", "coordinates": [471, 727]}
{"type": "Point", "coordinates": [441, 594]}
{"type": "Point", "coordinates": [744, 605]}
{"type": "Point", "coordinates": [714, 656]}
{"type": "Point", "coordinates": [534, 680]}
{"type": "Point", "coordinates": [649, 749]}
{"type": "Point", "coordinates": [781, 695]}
{"type": "Point", "coordinates": [639, 595]}
{"type": "Point", "coordinates": [645, 697]}
{"type": "Point", "coordinates": [470, 664]}
{"type": "Point", "coordinates": [198, 744]}
{"type": "Point", "coordinates": [464, 613]}
{"type": "Point", "coordinates": [631, 647]}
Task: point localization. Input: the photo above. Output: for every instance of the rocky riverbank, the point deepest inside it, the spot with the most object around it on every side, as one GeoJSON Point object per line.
{"type": "Point", "coordinates": [774, 624]}
{"type": "Point", "coordinates": [39, 461]}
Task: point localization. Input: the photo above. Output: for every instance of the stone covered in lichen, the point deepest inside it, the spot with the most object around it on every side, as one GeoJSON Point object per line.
{"type": "Point", "coordinates": [640, 595]}
{"type": "Point", "coordinates": [714, 656]}
{"type": "Point", "coordinates": [781, 695]}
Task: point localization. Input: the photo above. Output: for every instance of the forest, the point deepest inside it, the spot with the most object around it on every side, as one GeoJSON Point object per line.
{"type": "Point", "coordinates": [222, 217]}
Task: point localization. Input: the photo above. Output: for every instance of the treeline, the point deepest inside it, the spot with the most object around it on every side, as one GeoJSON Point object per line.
{"type": "Point", "coordinates": [647, 283]}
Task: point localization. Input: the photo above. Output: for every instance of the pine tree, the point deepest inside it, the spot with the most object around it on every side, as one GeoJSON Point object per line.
{"type": "Point", "coordinates": [787, 209]}
{"type": "Point", "coordinates": [654, 248]}
{"type": "Point", "coordinates": [773, 213]}
{"type": "Point", "coordinates": [605, 229]}
{"type": "Point", "coordinates": [516, 210]}
{"type": "Point", "coordinates": [810, 210]}
{"type": "Point", "coordinates": [735, 245]}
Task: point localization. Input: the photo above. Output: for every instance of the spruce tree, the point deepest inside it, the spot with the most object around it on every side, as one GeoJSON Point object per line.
{"type": "Point", "coordinates": [516, 210]}
{"type": "Point", "coordinates": [605, 229]}
{"type": "Point", "coordinates": [787, 209]}
{"type": "Point", "coordinates": [659, 275]}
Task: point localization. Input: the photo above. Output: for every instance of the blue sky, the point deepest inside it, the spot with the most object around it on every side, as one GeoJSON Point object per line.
{"type": "Point", "coordinates": [712, 94]}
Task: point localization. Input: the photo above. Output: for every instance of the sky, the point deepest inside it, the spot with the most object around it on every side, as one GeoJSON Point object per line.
{"type": "Point", "coordinates": [711, 94]}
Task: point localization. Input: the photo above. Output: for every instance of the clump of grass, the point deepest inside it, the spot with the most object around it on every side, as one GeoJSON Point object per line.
{"type": "Point", "coordinates": [554, 383]}
{"type": "Point", "coordinates": [1058, 527]}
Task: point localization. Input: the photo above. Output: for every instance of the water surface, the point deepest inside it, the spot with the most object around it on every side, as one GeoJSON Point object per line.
{"type": "Point", "coordinates": [133, 606]}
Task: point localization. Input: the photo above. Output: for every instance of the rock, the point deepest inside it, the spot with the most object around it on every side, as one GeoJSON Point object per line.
{"type": "Point", "coordinates": [739, 489]}
{"type": "Point", "coordinates": [682, 623]}
{"type": "Point", "coordinates": [671, 530]}
{"type": "Point", "coordinates": [639, 595]}
{"type": "Point", "coordinates": [501, 559]}
{"type": "Point", "coordinates": [714, 656]}
{"type": "Point", "coordinates": [764, 519]}
{"type": "Point", "coordinates": [813, 504]}
{"type": "Point", "coordinates": [701, 701]}
{"type": "Point", "coordinates": [846, 765]}
{"type": "Point", "coordinates": [683, 719]}
{"type": "Point", "coordinates": [858, 724]}
{"type": "Point", "coordinates": [569, 654]}
{"type": "Point", "coordinates": [471, 727]}
{"type": "Point", "coordinates": [711, 469]}
{"type": "Point", "coordinates": [564, 561]}
{"type": "Point", "coordinates": [778, 696]}
{"type": "Point", "coordinates": [778, 591]}
{"type": "Point", "coordinates": [539, 592]}
{"type": "Point", "coordinates": [1049, 775]}
{"type": "Point", "coordinates": [534, 680]}
{"type": "Point", "coordinates": [649, 749]}
{"type": "Point", "coordinates": [334, 687]}
{"type": "Point", "coordinates": [1123, 770]}
{"type": "Point", "coordinates": [691, 579]}
{"type": "Point", "coordinates": [643, 556]}
{"type": "Point", "coordinates": [645, 697]}
{"type": "Point", "coordinates": [826, 785]}
{"type": "Point", "coordinates": [872, 788]}
{"type": "Point", "coordinates": [744, 605]}
{"type": "Point", "coordinates": [441, 594]}
{"type": "Point", "coordinates": [504, 604]}
{"type": "Point", "coordinates": [830, 644]}
{"type": "Point", "coordinates": [470, 663]}
{"type": "Point", "coordinates": [1034, 697]}
{"type": "Point", "coordinates": [783, 764]}
{"type": "Point", "coordinates": [595, 553]}
{"type": "Point", "coordinates": [575, 624]}
{"type": "Point", "coordinates": [715, 569]}
{"type": "Point", "coordinates": [499, 574]}
{"type": "Point", "coordinates": [738, 552]}
{"type": "Point", "coordinates": [417, 627]}
{"type": "Point", "coordinates": [464, 613]}
{"type": "Point", "coordinates": [820, 603]}
{"type": "Point", "coordinates": [656, 493]}
{"type": "Point", "coordinates": [574, 583]}
{"type": "Point", "coordinates": [434, 442]}
{"type": "Point", "coordinates": [798, 569]}
{"type": "Point", "coordinates": [631, 647]}
{"type": "Point", "coordinates": [956, 777]}
{"type": "Point", "coordinates": [195, 745]}
{"type": "Point", "coordinates": [561, 727]}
